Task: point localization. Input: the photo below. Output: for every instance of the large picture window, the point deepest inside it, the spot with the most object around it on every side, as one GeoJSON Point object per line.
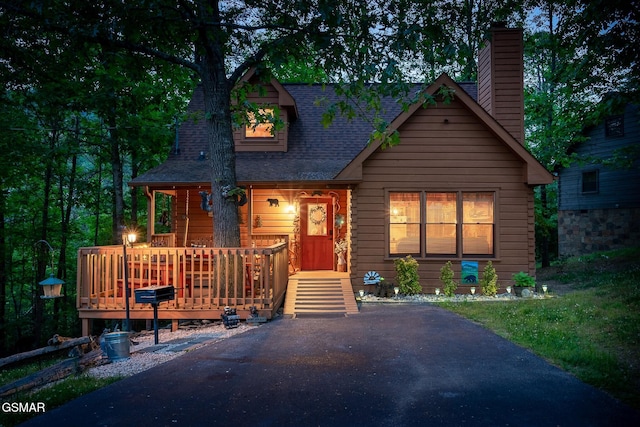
{"type": "Point", "coordinates": [455, 224]}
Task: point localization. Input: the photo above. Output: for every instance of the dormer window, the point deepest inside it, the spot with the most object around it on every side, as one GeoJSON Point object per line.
{"type": "Point", "coordinates": [260, 126]}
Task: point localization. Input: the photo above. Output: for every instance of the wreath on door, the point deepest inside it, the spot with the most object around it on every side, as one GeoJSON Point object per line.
{"type": "Point", "coordinates": [317, 215]}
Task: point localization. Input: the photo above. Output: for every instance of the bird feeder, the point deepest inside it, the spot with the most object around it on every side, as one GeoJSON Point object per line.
{"type": "Point", "coordinates": [52, 287]}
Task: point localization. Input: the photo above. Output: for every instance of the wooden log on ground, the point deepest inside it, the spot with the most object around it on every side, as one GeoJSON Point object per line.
{"type": "Point", "coordinates": [73, 342]}
{"type": "Point", "coordinates": [55, 372]}
{"type": "Point", "coordinates": [52, 373]}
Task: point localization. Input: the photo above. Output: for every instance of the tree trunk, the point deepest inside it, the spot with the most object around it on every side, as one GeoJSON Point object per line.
{"type": "Point", "coordinates": [118, 182]}
{"type": "Point", "coordinates": [217, 108]}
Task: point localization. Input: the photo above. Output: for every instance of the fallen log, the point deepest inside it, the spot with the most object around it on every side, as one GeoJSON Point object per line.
{"type": "Point", "coordinates": [60, 345]}
{"type": "Point", "coordinates": [55, 372]}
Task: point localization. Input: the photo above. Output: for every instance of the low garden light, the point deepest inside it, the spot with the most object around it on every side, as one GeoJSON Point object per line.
{"type": "Point", "coordinates": [509, 290]}
{"type": "Point", "coordinates": [437, 291]}
{"type": "Point", "coordinates": [361, 291]}
{"type": "Point", "coordinates": [51, 286]}
{"type": "Point", "coordinates": [544, 289]}
{"type": "Point", "coordinates": [396, 289]}
{"type": "Point", "coordinates": [473, 290]}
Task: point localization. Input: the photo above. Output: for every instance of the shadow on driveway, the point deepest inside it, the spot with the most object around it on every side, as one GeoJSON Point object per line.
{"type": "Point", "coordinates": [406, 365]}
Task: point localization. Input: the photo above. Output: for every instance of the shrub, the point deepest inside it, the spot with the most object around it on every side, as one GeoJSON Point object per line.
{"type": "Point", "coordinates": [446, 277]}
{"type": "Point", "coordinates": [489, 280]}
{"type": "Point", "coordinates": [522, 279]}
{"type": "Point", "coordinates": [407, 275]}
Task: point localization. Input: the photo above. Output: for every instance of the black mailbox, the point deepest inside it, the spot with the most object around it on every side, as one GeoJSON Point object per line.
{"type": "Point", "coordinates": [155, 294]}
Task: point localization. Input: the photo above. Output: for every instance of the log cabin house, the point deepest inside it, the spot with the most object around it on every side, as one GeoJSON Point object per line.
{"type": "Point", "coordinates": [459, 187]}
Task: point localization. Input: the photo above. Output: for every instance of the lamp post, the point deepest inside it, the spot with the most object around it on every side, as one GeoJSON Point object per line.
{"type": "Point", "coordinates": [128, 239]}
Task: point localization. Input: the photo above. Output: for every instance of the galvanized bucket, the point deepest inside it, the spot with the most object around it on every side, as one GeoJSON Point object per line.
{"type": "Point", "coordinates": [117, 345]}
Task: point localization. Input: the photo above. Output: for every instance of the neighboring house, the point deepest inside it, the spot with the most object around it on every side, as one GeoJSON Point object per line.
{"type": "Point", "coordinates": [459, 186]}
{"type": "Point", "coordinates": [599, 203]}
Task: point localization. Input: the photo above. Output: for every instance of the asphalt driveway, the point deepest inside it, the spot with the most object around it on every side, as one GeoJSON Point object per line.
{"type": "Point", "coordinates": [407, 365]}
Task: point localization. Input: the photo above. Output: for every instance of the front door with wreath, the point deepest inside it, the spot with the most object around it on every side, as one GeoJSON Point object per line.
{"type": "Point", "coordinates": [316, 234]}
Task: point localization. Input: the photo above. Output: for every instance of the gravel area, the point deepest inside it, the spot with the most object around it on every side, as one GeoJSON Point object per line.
{"type": "Point", "coordinates": [370, 298]}
{"type": "Point", "coordinates": [144, 354]}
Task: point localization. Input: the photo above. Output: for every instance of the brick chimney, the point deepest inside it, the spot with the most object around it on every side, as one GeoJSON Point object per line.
{"type": "Point", "coordinates": [500, 79]}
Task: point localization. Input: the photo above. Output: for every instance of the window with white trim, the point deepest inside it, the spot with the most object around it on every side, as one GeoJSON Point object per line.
{"type": "Point", "coordinates": [448, 224]}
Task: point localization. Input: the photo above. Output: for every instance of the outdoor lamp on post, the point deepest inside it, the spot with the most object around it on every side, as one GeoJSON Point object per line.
{"type": "Point", "coordinates": [128, 239]}
{"type": "Point", "coordinates": [51, 286]}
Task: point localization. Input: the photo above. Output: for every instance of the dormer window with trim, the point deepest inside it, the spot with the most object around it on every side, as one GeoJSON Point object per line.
{"type": "Point", "coordinates": [261, 126]}
{"type": "Point", "coordinates": [267, 128]}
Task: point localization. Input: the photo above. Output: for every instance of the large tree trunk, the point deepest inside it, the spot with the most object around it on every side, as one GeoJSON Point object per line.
{"type": "Point", "coordinates": [118, 179]}
{"type": "Point", "coordinates": [217, 108]}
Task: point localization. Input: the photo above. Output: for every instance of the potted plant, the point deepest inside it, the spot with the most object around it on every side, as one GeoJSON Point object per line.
{"type": "Point", "coordinates": [521, 281]}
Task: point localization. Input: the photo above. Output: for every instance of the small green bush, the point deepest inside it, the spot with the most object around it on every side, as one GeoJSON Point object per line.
{"type": "Point", "coordinates": [407, 275]}
{"type": "Point", "coordinates": [489, 280]}
{"type": "Point", "coordinates": [446, 277]}
{"type": "Point", "coordinates": [522, 279]}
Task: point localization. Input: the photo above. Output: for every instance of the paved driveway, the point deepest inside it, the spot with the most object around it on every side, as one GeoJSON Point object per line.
{"type": "Point", "coordinates": [408, 365]}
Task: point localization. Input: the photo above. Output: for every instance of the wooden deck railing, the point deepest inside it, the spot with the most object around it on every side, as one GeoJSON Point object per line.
{"type": "Point", "coordinates": [206, 280]}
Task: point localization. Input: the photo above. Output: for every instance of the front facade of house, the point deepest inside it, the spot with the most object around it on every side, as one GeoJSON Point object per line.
{"type": "Point", "coordinates": [599, 204]}
{"type": "Point", "coordinates": [458, 187]}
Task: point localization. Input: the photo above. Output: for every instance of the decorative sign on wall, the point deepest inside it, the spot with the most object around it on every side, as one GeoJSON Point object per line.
{"type": "Point", "coordinates": [317, 220]}
{"type": "Point", "coordinates": [469, 272]}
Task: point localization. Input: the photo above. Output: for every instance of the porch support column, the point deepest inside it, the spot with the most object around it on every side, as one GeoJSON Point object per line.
{"type": "Point", "coordinates": [151, 212]}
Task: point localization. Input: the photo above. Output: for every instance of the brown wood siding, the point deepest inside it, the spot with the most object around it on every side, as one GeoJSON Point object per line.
{"type": "Point", "coordinates": [200, 226]}
{"type": "Point", "coordinates": [460, 155]}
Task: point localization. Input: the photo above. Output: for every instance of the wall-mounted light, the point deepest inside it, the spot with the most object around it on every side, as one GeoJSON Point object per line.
{"type": "Point", "coordinates": [290, 209]}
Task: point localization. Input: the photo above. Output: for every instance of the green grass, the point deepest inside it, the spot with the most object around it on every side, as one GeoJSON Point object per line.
{"type": "Point", "coordinates": [592, 332]}
{"type": "Point", "coordinates": [53, 396]}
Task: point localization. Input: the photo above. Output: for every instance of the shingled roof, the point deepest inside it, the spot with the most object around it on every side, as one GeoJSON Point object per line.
{"type": "Point", "coordinates": [315, 153]}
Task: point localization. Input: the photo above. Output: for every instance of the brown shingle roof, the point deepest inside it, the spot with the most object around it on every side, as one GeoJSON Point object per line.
{"type": "Point", "coordinates": [315, 152]}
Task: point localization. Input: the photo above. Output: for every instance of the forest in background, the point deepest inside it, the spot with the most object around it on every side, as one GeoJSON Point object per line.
{"type": "Point", "coordinates": [81, 116]}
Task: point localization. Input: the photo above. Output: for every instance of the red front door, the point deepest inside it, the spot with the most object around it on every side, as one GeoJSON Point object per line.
{"type": "Point", "coordinates": [316, 234]}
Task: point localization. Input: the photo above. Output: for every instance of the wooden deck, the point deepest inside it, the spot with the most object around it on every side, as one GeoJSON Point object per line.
{"type": "Point", "coordinates": [205, 280]}
{"type": "Point", "coordinates": [320, 292]}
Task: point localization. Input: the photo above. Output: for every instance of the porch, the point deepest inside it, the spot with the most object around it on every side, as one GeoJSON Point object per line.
{"type": "Point", "coordinates": [205, 280]}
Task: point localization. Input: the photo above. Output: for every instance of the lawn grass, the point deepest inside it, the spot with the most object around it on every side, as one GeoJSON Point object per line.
{"type": "Point", "coordinates": [53, 396]}
{"type": "Point", "coordinates": [592, 332]}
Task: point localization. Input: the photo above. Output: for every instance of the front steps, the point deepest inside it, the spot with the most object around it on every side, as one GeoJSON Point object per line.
{"type": "Point", "coordinates": [319, 294]}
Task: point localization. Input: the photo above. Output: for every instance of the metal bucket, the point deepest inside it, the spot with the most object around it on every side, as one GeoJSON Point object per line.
{"type": "Point", "coordinates": [117, 345]}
